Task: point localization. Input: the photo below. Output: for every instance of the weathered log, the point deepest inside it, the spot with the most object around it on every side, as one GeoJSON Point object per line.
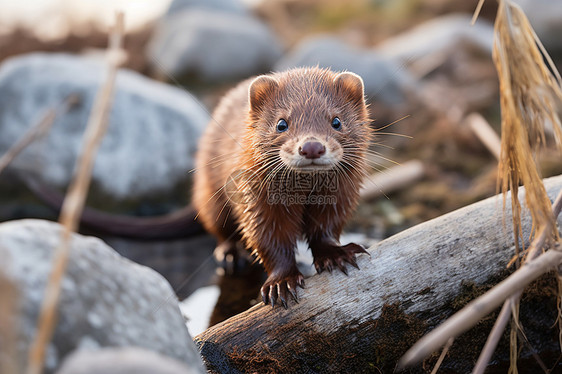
{"type": "Point", "coordinates": [413, 281]}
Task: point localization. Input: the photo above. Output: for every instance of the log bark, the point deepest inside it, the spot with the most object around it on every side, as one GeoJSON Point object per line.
{"type": "Point", "coordinates": [411, 282]}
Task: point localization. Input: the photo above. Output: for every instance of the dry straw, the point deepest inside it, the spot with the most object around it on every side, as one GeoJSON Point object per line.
{"type": "Point", "coordinates": [75, 199]}
{"type": "Point", "coordinates": [9, 361]}
{"type": "Point", "coordinates": [529, 96]}
{"type": "Point", "coordinates": [37, 131]}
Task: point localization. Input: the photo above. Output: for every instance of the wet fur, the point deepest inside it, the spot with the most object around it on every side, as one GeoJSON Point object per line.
{"type": "Point", "coordinates": [243, 136]}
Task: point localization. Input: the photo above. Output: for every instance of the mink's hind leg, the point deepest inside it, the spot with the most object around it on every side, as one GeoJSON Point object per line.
{"type": "Point", "coordinates": [232, 255]}
{"type": "Point", "coordinates": [329, 254]}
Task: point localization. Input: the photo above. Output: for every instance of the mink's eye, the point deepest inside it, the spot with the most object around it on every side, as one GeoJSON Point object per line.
{"type": "Point", "coordinates": [282, 125]}
{"type": "Point", "coordinates": [336, 123]}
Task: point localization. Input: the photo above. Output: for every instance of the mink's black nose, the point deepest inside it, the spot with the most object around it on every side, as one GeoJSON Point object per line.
{"type": "Point", "coordinates": [312, 150]}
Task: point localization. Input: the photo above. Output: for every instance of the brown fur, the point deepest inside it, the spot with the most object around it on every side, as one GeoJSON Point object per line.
{"type": "Point", "coordinates": [243, 136]}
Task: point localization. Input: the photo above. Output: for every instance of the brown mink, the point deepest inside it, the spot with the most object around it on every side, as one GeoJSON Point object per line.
{"type": "Point", "coordinates": [283, 159]}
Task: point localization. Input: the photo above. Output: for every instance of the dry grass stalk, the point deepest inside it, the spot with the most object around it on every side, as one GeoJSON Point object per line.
{"type": "Point", "coordinates": [442, 356]}
{"type": "Point", "coordinates": [75, 199]}
{"type": "Point", "coordinates": [37, 131]}
{"type": "Point", "coordinates": [493, 338]}
{"type": "Point", "coordinates": [9, 363]}
{"type": "Point", "coordinates": [529, 95]}
{"type": "Point", "coordinates": [559, 307]}
{"type": "Point", "coordinates": [513, 353]}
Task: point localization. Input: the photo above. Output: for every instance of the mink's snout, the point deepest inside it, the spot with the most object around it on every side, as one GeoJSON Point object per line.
{"type": "Point", "coordinates": [312, 150]}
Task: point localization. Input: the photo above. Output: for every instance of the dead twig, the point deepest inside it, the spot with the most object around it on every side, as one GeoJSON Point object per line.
{"type": "Point", "coordinates": [477, 12]}
{"type": "Point", "coordinates": [485, 133]}
{"type": "Point", "coordinates": [37, 131]}
{"type": "Point", "coordinates": [392, 179]}
{"type": "Point", "coordinates": [74, 201]}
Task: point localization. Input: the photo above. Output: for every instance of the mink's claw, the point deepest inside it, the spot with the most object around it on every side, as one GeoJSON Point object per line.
{"type": "Point", "coordinates": [355, 248]}
{"type": "Point", "coordinates": [328, 256]}
{"type": "Point", "coordinates": [279, 287]}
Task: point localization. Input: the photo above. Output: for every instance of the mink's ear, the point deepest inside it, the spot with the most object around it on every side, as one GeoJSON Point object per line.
{"type": "Point", "coordinates": [351, 86]}
{"type": "Point", "coordinates": [261, 90]}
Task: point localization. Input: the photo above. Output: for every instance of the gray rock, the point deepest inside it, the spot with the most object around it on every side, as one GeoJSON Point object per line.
{"type": "Point", "coordinates": [437, 35]}
{"type": "Point", "coordinates": [151, 138]}
{"type": "Point", "coordinates": [229, 6]}
{"type": "Point", "coordinates": [106, 299]}
{"type": "Point", "coordinates": [213, 46]}
{"type": "Point", "coordinates": [384, 80]}
{"type": "Point", "coordinates": [123, 361]}
{"type": "Point", "coordinates": [546, 18]}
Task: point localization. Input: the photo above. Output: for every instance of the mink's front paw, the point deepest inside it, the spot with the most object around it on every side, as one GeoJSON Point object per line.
{"type": "Point", "coordinates": [280, 285]}
{"type": "Point", "coordinates": [329, 256]}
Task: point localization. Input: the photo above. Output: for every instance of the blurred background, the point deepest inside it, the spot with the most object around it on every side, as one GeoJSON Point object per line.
{"type": "Point", "coordinates": [426, 71]}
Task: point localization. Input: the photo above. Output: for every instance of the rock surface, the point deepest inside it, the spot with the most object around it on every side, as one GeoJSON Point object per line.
{"type": "Point", "coordinates": [230, 6]}
{"type": "Point", "coordinates": [106, 299]}
{"type": "Point", "coordinates": [213, 46]}
{"type": "Point", "coordinates": [123, 361]}
{"type": "Point", "coordinates": [437, 35]}
{"type": "Point", "coordinates": [384, 80]}
{"type": "Point", "coordinates": [150, 141]}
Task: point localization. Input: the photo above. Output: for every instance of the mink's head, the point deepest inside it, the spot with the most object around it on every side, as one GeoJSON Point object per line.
{"type": "Point", "coordinates": [309, 119]}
